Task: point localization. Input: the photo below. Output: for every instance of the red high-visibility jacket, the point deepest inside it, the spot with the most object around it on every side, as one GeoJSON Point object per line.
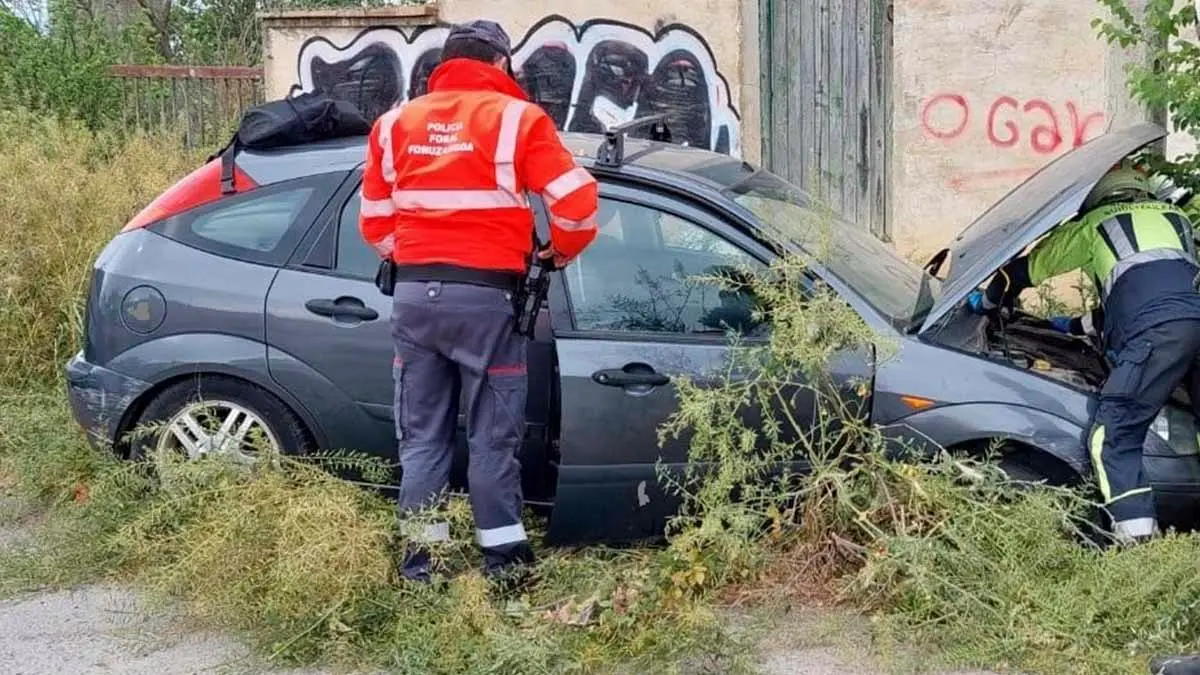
{"type": "Point", "coordinates": [446, 174]}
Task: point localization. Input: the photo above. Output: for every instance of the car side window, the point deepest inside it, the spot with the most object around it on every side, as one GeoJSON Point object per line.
{"type": "Point", "coordinates": [257, 224]}
{"type": "Point", "coordinates": [640, 275]}
{"type": "Point", "coordinates": [353, 256]}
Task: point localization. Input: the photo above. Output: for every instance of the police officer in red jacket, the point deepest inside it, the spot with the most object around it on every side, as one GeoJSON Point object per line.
{"type": "Point", "coordinates": [444, 194]}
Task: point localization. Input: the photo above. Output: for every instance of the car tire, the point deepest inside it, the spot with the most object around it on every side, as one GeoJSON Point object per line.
{"type": "Point", "coordinates": [280, 424]}
{"type": "Point", "coordinates": [1020, 471]}
{"type": "Point", "coordinates": [1021, 468]}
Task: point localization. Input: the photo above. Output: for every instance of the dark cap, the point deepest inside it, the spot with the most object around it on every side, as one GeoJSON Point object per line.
{"type": "Point", "coordinates": [485, 31]}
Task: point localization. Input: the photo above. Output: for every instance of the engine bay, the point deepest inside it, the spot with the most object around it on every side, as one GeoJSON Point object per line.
{"type": "Point", "coordinates": [1029, 343]}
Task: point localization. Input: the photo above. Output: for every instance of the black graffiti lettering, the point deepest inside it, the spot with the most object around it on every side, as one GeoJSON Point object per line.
{"type": "Point", "coordinates": [678, 88]}
{"type": "Point", "coordinates": [372, 79]}
{"type": "Point", "coordinates": [612, 81]}
{"type": "Point", "coordinates": [548, 76]}
{"type": "Point", "coordinates": [426, 62]}
{"type": "Point", "coordinates": [585, 77]}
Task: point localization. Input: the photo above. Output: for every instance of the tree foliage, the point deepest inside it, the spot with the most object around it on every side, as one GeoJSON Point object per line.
{"type": "Point", "coordinates": [54, 57]}
{"type": "Point", "coordinates": [60, 72]}
{"type": "Point", "coordinates": [1169, 78]}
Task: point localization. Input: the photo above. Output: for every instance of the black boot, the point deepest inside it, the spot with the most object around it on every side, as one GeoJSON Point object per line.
{"type": "Point", "coordinates": [415, 565]}
{"type": "Point", "coordinates": [1183, 664]}
{"type": "Point", "coordinates": [510, 569]}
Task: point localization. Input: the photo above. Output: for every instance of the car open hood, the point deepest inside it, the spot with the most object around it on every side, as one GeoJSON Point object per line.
{"type": "Point", "coordinates": [1032, 209]}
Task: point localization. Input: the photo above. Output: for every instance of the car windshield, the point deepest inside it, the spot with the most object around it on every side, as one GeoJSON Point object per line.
{"type": "Point", "coordinates": [901, 291]}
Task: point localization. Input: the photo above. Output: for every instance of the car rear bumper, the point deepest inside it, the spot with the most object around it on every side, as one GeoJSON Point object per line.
{"type": "Point", "coordinates": [100, 398]}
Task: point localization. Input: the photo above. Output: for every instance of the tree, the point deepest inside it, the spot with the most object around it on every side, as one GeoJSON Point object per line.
{"type": "Point", "coordinates": [59, 70]}
{"type": "Point", "coordinates": [1169, 79]}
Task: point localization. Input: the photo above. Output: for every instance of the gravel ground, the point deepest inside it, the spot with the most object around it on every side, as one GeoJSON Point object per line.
{"type": "Point", "coordinates": [99, 629]}
{"type": "Point", "coordinates": [820, 642]}
{"type": "Point", "coordinates": [102, 629]}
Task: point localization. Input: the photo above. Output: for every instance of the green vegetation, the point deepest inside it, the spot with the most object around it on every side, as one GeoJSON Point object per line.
{"type": "Point", "coordinates": [298, 563]}
{"type": "Point", "coordinates": [55, 56]}
{"type": "Point", "coordinates": [946, 555]}
{"type": "Point", "coordinates": [1164, 80]}
{"type": "Point", "coordinates": [943, 553]}
{"type": "Point", "coordinates": [67, 191]}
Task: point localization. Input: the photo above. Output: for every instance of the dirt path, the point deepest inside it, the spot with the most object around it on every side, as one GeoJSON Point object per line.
{"type": "Point", "coordinates": [821, 642]}
{"type": "Point", "coordinates": [99, 629]}
{"type": "Point", "coordinates": [102, 629]}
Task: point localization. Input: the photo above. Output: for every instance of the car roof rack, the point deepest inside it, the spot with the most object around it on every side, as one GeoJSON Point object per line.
{"type": "Point", "coordinates": [612, 150]}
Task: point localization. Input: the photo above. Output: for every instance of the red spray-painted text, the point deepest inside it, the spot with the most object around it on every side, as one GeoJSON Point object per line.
{"type": "Point", "coordinates": [1010, 122]}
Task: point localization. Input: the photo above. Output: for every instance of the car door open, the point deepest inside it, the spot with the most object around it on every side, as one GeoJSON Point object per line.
{"type": "Point", "coordinates": [327, 322]}
{"type": "Point", "coordinates": [631, 316]}
{"type": "Point", "coordinates": [628, 318]}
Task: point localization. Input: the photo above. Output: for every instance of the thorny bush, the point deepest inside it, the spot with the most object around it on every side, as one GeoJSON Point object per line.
{"type": "Point", "coordinates": [941, 546]}
{"type": "Point", "coordinates": [941, 549]}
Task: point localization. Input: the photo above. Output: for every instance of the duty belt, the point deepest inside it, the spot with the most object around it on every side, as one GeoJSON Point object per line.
{"type": "Point", "coordinates": [454, 274]}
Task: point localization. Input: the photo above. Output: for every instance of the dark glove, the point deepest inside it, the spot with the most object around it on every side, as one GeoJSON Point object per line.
{"type": "Point", "coordinates": [1061, 324]}
{"type": "Point", "coordinates": [548, 258]}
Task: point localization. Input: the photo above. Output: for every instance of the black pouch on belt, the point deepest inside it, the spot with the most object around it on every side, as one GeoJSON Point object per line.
{"type": "Point", "coordinates": [385, 276]}
{"type": "Point", "coordinates": [535, 287]}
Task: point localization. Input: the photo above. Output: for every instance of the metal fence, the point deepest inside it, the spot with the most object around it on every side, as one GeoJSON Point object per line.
{"type": "Point", "coordinates": [202, 103]}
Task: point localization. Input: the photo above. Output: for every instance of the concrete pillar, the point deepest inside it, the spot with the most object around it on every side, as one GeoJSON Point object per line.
{"type": "Point", "coordinates": [1123, 110]}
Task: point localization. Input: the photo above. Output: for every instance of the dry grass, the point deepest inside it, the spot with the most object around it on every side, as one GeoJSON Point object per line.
{"type": "Point", "coordinates": [65, 192]}
{"type": "Point", "coordinates": [299, 563]}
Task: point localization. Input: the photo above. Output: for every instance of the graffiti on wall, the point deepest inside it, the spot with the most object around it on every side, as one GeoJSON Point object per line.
{"type": "Point", "coordinates": [586, 77]}
{"type": "Point", "coordinates": [1033, 126]}
{"type": "Point", "coordinates": [1011, 123]}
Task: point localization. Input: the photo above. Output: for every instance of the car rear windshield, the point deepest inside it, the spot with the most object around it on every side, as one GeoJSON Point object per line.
{"type": "Point", "coordinates": [901, 291]}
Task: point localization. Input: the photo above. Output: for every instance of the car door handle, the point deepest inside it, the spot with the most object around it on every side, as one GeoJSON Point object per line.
{"type": "Point", "coordinates": [343, 306]}
{"type": "Point", "coordinates": [620, 377]}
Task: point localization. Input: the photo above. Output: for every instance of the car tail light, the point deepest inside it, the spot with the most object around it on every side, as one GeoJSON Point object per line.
{"type": "Point", "coordinates": [198, 187]}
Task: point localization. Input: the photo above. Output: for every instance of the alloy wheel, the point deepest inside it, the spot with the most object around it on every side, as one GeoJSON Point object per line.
{"type": "Point", "coordinates": [217, 427]}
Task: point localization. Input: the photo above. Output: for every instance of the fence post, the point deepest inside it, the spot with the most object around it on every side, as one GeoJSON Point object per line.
{"type": "Point", "coordinates": [192, 90]}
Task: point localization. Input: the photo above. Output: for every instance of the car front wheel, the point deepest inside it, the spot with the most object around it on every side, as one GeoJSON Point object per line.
{"type": "Point", "coordinates": [1022, 468]}
{"type": "Point", "coordinates": [217, 415]}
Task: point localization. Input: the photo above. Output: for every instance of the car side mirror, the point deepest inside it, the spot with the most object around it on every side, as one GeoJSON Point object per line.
{"type": "Point", "coordinates": [935, 263]}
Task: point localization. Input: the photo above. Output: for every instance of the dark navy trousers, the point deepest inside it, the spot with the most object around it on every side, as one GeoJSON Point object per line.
{"type": "Point", "coordinates": [1146, 370]}
{"type": "Point", "coordinates": [457, 340]}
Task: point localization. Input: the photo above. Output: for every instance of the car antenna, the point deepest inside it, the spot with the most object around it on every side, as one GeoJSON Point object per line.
{"type": "Point", "coordinates": [612, 150]}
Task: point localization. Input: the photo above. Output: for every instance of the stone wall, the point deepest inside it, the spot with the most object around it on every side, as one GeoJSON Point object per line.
{"type": "Point", "coordinates": [983, 93]}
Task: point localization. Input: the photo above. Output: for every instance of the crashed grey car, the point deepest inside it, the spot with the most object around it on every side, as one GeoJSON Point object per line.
{"type": "Point", "coordinates": [258, 309]}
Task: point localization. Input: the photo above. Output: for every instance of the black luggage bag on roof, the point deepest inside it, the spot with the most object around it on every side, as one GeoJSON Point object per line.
{"type": "Point", "coordinates": [305, 118]}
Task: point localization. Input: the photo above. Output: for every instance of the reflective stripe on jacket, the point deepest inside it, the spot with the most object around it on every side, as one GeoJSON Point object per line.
{"type": "Point", "coordinates": [1141, 256]}
{"type": "Point", "coordinates": [1108, 241]}
{"type": "Point", "coordinates": [446, 175]}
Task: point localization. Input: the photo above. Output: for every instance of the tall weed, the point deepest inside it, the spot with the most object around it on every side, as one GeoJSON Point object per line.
{"type": "Point", "coordinates": [945, 549]}
{"type": "Point", "coordinates": [64, 193]}
{"type": "Point", "coordinates": [942, 549]}
{"type": "Point", "coordinates": [300, 564]}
